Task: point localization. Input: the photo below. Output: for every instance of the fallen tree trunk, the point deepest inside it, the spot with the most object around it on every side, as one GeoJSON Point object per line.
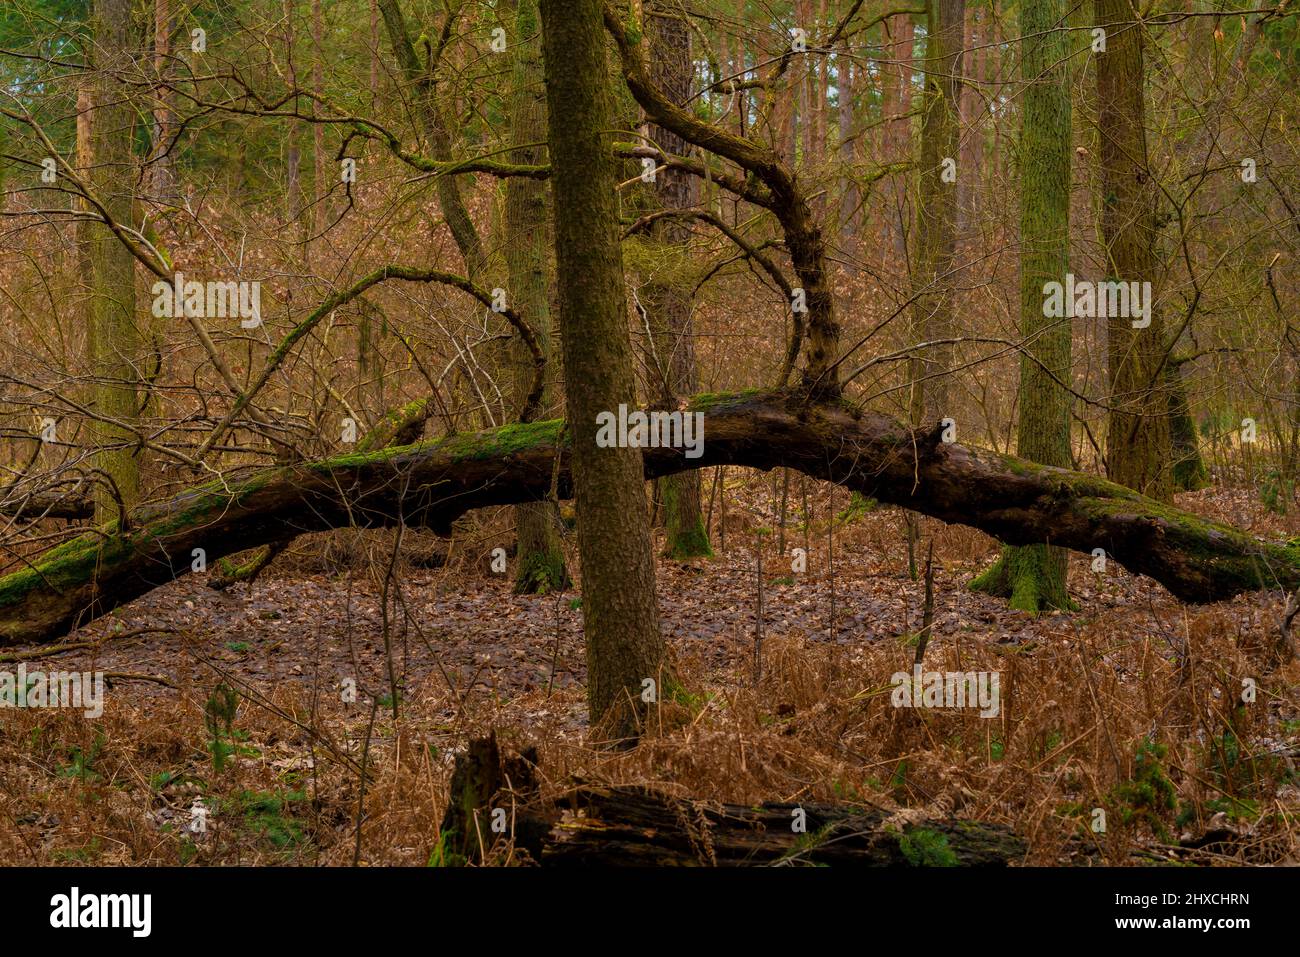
{"type": "Point", "coordinates": [632, 826]}
{"type": "Point", "coordinates": [611, 826]}
{"type": "Point", "coordinates": [36, 507]}
{"type": "Point", "coordinates": [494, 797]}
{"type": "Point", "coordinates": [433, 483]}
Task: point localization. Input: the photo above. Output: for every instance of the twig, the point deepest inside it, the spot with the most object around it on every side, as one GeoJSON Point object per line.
{"type": "Point", "coordinates": [758, 624]}
{"type": "Point", "coordinates": [555, 650]}
{"type": "Point", "coordinates": [927, 617]}
{"type": "Point", "coordinates": [139, 676]}
{"type": "Point", "coordinates": [80, 645]}
{"type": "Point", "coordinates": [361, 795]}
{"type": "Point", "coordinates": [1286, 646]}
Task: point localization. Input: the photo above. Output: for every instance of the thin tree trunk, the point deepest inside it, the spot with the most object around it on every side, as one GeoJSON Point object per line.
{"type": "Point", "coordinates": [849, 193]}
{"type": "Point", "coordinates": [1189, 472]}
{"type": "Point", "coordinates": [936, 215]}
{"type": "Point", "coordinates": [897, 100]}
{"type": "Point", "coordinates": [374, 53]}
{"type": "Point", "coordinates": [1034, 576]}
{"type": "Point", "coordinates": [115, 339]}
{"type": "Point", "coordinates": [434, 128]}
{"type": "Point", "coordinates": [968, 168]}
{"type": "Point", "coordinates": [806, 76]}
{"type": "Point", "coordinates": [164, 161]}
{"type": "Point", "coordinates": [320, 178]}
{"type": "Point", "coordinates": [668, 303]}
{"type": "Point", "coordinates": [293, 157]}
{"type": "Point", "coordinates": [1137, 427]}
{"type": "Point", "coordinates": [539, 559]}
{"type": "Point", "coordinates": [619, 611]}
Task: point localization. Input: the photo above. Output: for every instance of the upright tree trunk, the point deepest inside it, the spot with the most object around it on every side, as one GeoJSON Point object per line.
{"type": "Point", "coordinates": [374, 53]}
{"type": "Point", "coordinates": [293, 156]}
{"type": "Point", "coordinates": [936, 213]}
{"type": "Point", "coordinates": [1189, 471]}
{"type": "Point", "coordinates": [1137, 427]}
{"type": "Point", "coordinates": [896, 99]}
{"type": "Point", "coordinates": [539, 558]}
{"type": "Point", "coordinates": [434, 128]}
{"type": "Point", "coordinates": [422, 86]}
{"type": "Point", "coordinates": [668, 303]}
{"type": "Point", "coordinates": [620, 616]}
{"type": "Point", "coordinates": [164, 167]}
{"type": "Point", "coordinates": [971, 109]}
{"type": "Point", "coordinates": [819, 77]}
{"type": "Point", "coordinates": [115, 339]}
{"type": "Point", "coordinates": [320, 178]}
{"type": "Point", "coordinates": [1033, 576]}
{"type": "Point", "coordinates": [85, 230]}
{"type": "Point", "coordinates": [805, 74]}
{"type": "Point", "coordinates": [844, 75]}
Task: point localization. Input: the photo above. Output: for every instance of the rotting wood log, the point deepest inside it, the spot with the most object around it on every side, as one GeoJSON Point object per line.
{"type": "Point", "coordinates": [432, 483]}
{"type": "Point", "coordinates": [633, 826]}
{"type": "Point", "coordinates": [594, 825]}
{"type": "Point", "coordinates": [32, 508]}
{"type": "Point", "coordinates": [483, 779]}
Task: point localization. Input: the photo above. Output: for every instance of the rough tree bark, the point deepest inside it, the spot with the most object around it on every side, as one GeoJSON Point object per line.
{"type": "Point", "coordinates": [1137, 426]}
{"type": "Point", "coordinates": [668, 301]}
{"type": "Point", "coordinates": [1189, 471]}
{"type": "Point", "coordinates": [539, 559]}
{"type": "Point", "coordinates": [1033, 577]}
{"type": "Point", "coordinates": [845, 79]}
{"type": "Point", "coordinates": [115, 340]}
{"type": "Point", "coordinates": [433, 483]}
{"type": "Point", "coordinates": [936, 214]}
{"type": "Point", "coordinates": [293, 153]}
{"type": "Point", "coordinates": [619, 612]}
{"type": "Point", "coordinates": [896, 102]}
{"type": "Point", "coordinates": [639, 827]}
{"type": "Point", "coordinates": [599, 825]}
{"type": "Point", "coordinates": [164, 168]}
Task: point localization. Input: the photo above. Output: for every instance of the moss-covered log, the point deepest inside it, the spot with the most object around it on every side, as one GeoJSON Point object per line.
{"type": "Point", "coordinates": [621, 826]}
{"type": "Point", "coordinates": [433, 483]}
{"type": "Point", "coordinates": [636, 827]}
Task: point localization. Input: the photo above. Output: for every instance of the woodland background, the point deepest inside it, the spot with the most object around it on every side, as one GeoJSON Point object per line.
{"type": "Point", "coordinates": [1172, 157]}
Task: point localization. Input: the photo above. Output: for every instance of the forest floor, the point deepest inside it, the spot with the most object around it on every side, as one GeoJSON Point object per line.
{"type": "Point", "coordinates": [1132, 704]}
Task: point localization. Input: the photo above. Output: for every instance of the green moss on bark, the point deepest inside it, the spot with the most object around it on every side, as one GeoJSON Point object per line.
{"type": "Point", "coordinates": [1031, 577]}
{"type": "Point", "coordinates": [541, 572]}
{"type": "Point", "coordinates": [687, 536]}
{"type": "Point", "coordinates": [690, 542]}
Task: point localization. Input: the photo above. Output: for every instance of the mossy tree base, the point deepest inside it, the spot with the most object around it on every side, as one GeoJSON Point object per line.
{"type": "Point", "coordinates": [482, 773]}
{"type": "Point", "coordinates": [1031, 577]}
{"type": "Point", "coordinates": [431, 484]}
{"type": "Point", "coordinates": [541, 573]}
{"type": "Point", "coordinates": [687, 543]}
{"type": "Point", "coordinates": [687, 536]}
{"type": "Point", "coordinates": [1191, 475]}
